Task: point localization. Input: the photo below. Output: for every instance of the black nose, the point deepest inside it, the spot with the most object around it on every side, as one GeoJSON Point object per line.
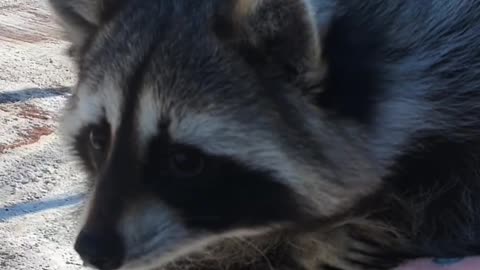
{"type": "Point", "coordinates": [100, 250]}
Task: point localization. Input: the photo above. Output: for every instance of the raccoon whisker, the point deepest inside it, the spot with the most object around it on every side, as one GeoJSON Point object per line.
{"type": "Point", "coordinates": [256, 249]}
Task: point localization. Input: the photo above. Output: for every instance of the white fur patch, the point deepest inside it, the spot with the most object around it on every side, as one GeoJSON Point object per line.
{"type": "Point", "coordinates": [112, 99]}
{"type": "Point", "coordinates": [149, 112]}
{"type": "Point", "coordinates": [84, 108]}
{"type": "Point", "coordinates": [89, 105]}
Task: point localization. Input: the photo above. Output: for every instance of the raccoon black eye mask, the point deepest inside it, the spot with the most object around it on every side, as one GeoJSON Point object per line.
{"type": "Point", "coordinates": [274, 134]}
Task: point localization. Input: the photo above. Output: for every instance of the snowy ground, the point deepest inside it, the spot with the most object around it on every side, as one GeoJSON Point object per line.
{"type": "Point", "coordinates": [40, 190]}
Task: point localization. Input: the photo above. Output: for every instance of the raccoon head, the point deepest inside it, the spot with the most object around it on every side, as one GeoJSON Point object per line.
{"type": "Point", "coordinates": [194, 121]}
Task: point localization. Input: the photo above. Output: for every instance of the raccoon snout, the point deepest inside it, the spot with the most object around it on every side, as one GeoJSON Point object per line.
{"type": "Point", "coordinates": [102, 250]}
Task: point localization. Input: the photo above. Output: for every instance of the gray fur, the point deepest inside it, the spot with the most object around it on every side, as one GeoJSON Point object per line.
{"type": "Point", "coordinates": [192, 78]}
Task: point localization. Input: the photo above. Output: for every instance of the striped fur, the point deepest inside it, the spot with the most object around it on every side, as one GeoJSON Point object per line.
{"type": "Point", "coordinates": [286, 134]}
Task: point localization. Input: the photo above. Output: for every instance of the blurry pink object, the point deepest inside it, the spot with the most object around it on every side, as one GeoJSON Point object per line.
{"type": "Point", "coordinates": [443, 264]}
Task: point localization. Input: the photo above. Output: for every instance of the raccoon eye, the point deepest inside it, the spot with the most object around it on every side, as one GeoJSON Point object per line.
{"type": "Point", "coordinates": [186, 164]}
{"type": "Point", "coordinates": [98, 138]}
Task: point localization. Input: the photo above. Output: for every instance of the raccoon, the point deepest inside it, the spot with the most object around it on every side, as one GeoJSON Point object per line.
{"type": "Point", "coordinates": [275, 134]}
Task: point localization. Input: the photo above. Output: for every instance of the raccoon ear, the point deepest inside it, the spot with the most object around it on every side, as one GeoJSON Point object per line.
{"type": "Point", "coordinates": [282, 32]}
{"type": "Point", "coordinates": [79, 18]}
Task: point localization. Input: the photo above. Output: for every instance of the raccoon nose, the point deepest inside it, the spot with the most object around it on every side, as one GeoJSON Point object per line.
{"type": "Point", "coordinates": [103, 251]}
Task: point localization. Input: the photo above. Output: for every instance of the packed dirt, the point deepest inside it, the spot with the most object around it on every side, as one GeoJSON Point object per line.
{"type": "Point", "coordinates": [40, 188]}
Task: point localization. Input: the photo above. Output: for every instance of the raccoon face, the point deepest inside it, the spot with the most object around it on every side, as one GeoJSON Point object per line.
{"type": "Point", "coordinates": [194, 123]}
